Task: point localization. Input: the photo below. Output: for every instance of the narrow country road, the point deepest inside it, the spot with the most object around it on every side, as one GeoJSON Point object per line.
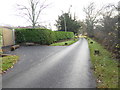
{"type": "Point", "coordinates": [54, 67]}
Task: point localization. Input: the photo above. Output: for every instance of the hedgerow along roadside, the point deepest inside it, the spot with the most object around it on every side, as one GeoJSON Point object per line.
{"type": "Point", "coordinates": [41, 36]}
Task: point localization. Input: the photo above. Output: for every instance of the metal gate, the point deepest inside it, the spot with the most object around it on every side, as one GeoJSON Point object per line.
{"type": "Point", "coordinates": [7, 37]}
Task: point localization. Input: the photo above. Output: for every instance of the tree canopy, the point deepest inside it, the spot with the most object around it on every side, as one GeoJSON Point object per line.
{"type": "Point", "coordinates": [65, 22]}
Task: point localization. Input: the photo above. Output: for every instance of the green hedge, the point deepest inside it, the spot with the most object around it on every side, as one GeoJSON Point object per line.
{"type": "Point", "coordinates": [61, 35]}
{"type": "Point", "coordinates": [41, 36]}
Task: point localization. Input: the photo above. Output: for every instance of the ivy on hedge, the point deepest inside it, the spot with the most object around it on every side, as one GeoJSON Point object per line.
{"type": "Point", "coordinates": [41, 36]}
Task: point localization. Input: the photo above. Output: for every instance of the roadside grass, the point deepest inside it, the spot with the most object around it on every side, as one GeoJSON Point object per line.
{"type": "Point", "coordinates": [104, 66]}
{"type": "Point", "coordinates": [64, 43]}
{"type": "Point", "coordinates": [7, 62]}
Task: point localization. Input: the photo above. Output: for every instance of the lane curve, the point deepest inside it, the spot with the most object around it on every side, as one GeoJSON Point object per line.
{"type": "Point", "coordinates": [68, 68]}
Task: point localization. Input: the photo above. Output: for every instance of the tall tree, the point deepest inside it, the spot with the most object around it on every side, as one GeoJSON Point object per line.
{"type": "Point", "coordinates": [83, 28]}
{"type": "Point", "coordinates": [108, 31]}
{"type": "Point", "coordinates": [33, 11]}
{"type": "Point", "coordinates": [65, 22]}
{"type": "Point", "coordinates": [91, 17]}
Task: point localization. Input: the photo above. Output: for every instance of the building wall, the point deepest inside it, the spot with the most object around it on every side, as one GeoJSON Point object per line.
{"type": "Point", "coordinates": [8, 37]}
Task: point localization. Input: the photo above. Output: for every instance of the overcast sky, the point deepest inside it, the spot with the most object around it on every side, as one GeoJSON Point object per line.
{"type": "Point", "coordinates": [8, 11]}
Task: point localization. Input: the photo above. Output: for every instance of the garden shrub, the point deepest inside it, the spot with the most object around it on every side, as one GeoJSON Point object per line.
{"type": "Point", "coordinates": [61, 35]}
{"type": "Point", "coordinates": [41, 36]}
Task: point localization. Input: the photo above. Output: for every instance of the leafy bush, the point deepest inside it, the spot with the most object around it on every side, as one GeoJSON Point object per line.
{"type": "Point", "coordinates": [41, 36]}
{"type": "Point", "coordinates": [61, 35]}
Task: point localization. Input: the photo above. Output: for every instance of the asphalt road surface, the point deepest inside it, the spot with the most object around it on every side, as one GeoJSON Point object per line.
{"type": "Point", "coordinates": [52, 67]}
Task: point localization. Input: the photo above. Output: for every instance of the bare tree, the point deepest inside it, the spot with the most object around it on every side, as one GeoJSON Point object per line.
{"type": "Point", "coordinates": [82, 28]}
{"type": "Point", "coordinates": [107, 32]}
{"type": "Point", "coordinates": [91, 17]}
{"type": "Point", "coordinates": [33, 11]}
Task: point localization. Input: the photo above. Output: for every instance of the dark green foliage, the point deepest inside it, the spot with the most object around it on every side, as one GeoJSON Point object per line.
{"type": "Point", "coordinates": [72, 24]}
{"type": "Point", "coordinates": [61, 35]}
{"type": "Point", "coordinates": [41, 36]}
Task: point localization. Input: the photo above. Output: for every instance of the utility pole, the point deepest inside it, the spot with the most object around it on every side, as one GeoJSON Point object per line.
{"type": "Point", "coordinates": [65, 18]}
{"type": "Point", "coordinates": [64, 22]}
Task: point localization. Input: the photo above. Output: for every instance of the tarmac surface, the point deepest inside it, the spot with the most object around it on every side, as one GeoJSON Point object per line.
{"type": "Point", "coordinates": [51, 67]}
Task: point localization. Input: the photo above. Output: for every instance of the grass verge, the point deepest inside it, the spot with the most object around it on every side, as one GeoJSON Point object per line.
{"type": "Point", "coordinates": [104, 66]}
{"type": "Point", "coordinates": [7, 62]}
{"type": "Point", "coordinates": [64, 43]}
